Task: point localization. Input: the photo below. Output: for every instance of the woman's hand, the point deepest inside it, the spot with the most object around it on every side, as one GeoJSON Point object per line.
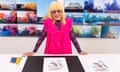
{"type": "Point", "coordinates": [83, 53]}
{"type": "Point", "coordinates": [29, 53]}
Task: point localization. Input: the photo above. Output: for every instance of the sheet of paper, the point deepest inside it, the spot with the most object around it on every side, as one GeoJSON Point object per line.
{"type": "Point", "coordinates": [55, 64]}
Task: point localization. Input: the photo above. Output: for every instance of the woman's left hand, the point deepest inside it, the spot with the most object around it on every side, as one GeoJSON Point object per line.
{"type": "Point", "coordinates": [83, 53]}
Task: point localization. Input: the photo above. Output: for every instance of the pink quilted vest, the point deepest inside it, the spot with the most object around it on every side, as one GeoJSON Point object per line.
{"type": "Point", "coordinates": [58, 41]}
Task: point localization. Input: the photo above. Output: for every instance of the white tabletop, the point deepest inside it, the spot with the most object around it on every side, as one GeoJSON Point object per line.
{"type": "Point", "coordinates": [111, 60]}
{"type": "Point", "coordinates": [5, 65]}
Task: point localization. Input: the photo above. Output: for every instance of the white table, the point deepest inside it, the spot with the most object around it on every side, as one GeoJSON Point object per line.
{"type": "Point", "coordinates": [111, 60]}
{"type": "Point", "coordinates": [7, 66]}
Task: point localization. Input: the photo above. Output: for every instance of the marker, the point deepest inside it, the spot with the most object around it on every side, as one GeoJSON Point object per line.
{"type": "Point", "coordinates": [13, 60]}
{"type": "Point", "coordinates": [18, 60]}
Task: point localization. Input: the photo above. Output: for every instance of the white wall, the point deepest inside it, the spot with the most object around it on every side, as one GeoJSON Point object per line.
{"type": "Point", "coordinates": [92, 45]}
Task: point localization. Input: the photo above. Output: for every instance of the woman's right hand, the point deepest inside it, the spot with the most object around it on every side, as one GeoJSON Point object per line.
{"type": "Point", "coordinates": [29, 53]}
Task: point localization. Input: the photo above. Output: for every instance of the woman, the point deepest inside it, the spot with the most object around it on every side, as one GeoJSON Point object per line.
{"type": "Point", "coordinates": [58, 31]}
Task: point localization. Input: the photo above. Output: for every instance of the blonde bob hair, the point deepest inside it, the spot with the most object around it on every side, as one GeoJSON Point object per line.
{"type": "Point", "coordinates": [56, 5]}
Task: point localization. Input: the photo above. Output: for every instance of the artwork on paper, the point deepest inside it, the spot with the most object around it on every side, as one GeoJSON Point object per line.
{"type": "Point", "coordinates": [7, 5]}
{"type": "Point", "coordinates": [24, 5]}
{"type": "Point", "coordinates": [26, 17]}
{"type": "Point", "coordinates": [76, 17]}
{"type": "Point", "coordinates": [55, 64]}
{"type": "Point", "coordinates": [110, 31]}
{"type": "Point", "coordinates": [87, 31]}
{"type": "Point", "coordinates": [74, 5]}
{"type": "Point", "coordinates": [77, 30]}
{"type": "Point", "coordinates": [101, 18]}
{"type": "Point", "coordinates": [8, 30]}
{"type": "Point", "coordinates": [29, 29]}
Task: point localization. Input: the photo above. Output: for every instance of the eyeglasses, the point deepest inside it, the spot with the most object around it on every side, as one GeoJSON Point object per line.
{"type": "Point", "coordinates": [56, 11]}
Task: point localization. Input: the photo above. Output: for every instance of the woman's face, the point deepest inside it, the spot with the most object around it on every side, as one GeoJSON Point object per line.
{"type": "Point", "coordinates": [56, 14]}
